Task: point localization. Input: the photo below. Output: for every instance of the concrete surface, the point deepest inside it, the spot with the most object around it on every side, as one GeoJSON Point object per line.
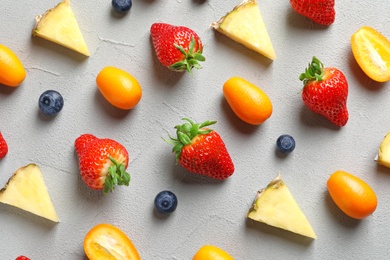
{"type": "Point", "coordinates": [208, 212]}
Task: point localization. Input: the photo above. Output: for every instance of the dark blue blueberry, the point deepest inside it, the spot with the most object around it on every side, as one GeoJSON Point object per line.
{"type": "Point", "coordinates": [121, 6]}
{"type": "Point", "coordinates": [50, 102]}
{"type": "Point", "coordinates": [165, 202]}
{"type": "Point", "coordinates": [285, 144]}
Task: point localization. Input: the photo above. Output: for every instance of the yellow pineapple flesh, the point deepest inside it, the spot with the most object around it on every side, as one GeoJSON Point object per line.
{"type": "Point", "coordinates": [60, 26]}
{"type": "Point", "coordinates": [245, 25]}
{"type": "Point", "coordinates": [26, 190]}
{"type": "Point", "coordinates": [383, 156]}
{"type": "Point", "coordinates": [275, 206]}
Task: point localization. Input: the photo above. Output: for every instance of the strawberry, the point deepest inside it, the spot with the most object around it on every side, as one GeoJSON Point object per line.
{"type": "Point", "coordinates": [201, 150]}
{"type": "Point", "coordinates": [319, 11]}
{"type": "Point", "coordinates": [22, 258]}
{"type": "Point", "coordinates": [325, 92]}
{"type": "Point", "coordinates": [102, 162]}
{"type": "Point", "coordinates": [177, 47]}
{"type": "Point", "coordinates": [3, 147]}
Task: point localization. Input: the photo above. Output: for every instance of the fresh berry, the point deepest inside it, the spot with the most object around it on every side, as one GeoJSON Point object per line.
{"type": "Point", "coordinates": [50, 102]}
{"type": "Point", "coordinates": [165, 202]}
{"type": "Point", "coordinates": [121, 6]}
{"type": "Point", "coordinates": [201, 150]}
{"type": "Point", "coordinates": [102, 162]}
{"type": "Point", "coordinates": [325, 92]}
{"type": "Point", "coordinates": [3, 147]}
{"type": "Point", "coordinates": [177, 47]}
{"type": "Point", "coordinates": [22, 258]}
{"type": "Point", "coordinates": [319, 11]}
{"type": "Point", "coordinates": [285, 144]}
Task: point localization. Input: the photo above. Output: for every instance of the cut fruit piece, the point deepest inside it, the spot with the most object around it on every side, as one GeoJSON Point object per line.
{"type": "Point", "coordinates": [60, 26]}
{"type": "Point", "coordinates": [383, 156]}
{"type": "Point", "coordinates": [26, 190]}
{"type": "Point", "coordinates": [372, 52]}
{"type": "Point", "coordinates": [245, 25]}
{"type": "Point", "coordinates": [275, 206]}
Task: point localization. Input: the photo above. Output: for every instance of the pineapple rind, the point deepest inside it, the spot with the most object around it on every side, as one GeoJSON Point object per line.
{"type": "Point", "coordinates": [60, 26]}
{"type": "Point", "coordinates": [26, 190]}
{"type": "Point", "coordinates": [275, 206]}
{"type": "Point", "coordinates": [245, 25]}
{"type": "Point", "coordinates": [383, 157]}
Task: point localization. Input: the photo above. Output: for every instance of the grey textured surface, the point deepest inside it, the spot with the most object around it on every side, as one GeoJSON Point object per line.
{"type": "Point", "coordinates": [208, 212]}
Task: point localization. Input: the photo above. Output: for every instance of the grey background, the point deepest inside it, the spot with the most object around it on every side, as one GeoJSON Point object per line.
{"type": "Point", "coordinates": [208, 212]}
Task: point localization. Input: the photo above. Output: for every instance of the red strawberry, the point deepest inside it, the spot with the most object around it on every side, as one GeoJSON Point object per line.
{"type": "Point", "coordinates": [177, 47]}
{"type": "Point", "coordinates": [201, 150]}
{"type": "Point", "coordinates": [22, 258]}
{"type": "Point", "coordinates": [102, 162]}
{"type": "Point", "coordinates": [320, 11]}
{"type": "Point", "coordinates": [3, 147]}
{"type": "Point", "coordinates": [325, 92]}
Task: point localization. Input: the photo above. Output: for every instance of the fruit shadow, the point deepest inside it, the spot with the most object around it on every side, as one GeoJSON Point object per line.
{"type": "Point", "coordinates": [110, 109]}
{"type": "Point", "coordinates": [312, 119]}
{"type": "Point", "coordinates": [339, 215]}
{"type": "Point", "coordinates": [5, 90]}
{"type": "Point", "coordinates": [278, 232]}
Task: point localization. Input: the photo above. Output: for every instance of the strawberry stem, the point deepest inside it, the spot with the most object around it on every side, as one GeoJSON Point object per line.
{"type": "Point", "coordinates": [314, 72]}
{"type": "Point", "coordinates": [190, 59]}
{"type": "Point", "coordinates": [117, 175]}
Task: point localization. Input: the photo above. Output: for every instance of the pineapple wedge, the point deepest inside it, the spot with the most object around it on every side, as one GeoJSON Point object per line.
{"type": "Point", "coordinates": [383, 156]}
{"type": "Point", "coordinates": [26, 190]}
{"type": "Point", "coordinates": [60, 26]}
{"type": "Point", "coordinates": [245, 25]}
{"type": "Point", "coordinates": [276, 207]}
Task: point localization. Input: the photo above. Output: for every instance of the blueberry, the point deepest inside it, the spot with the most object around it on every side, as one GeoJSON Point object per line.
{"type": "Point", "coordinates": [50, 102]}
{"type": "Point", "coordinates": [165, 202]}
{"type": "Point", "coordinates": [121, 6]}
{"type": "Point", "coordinates": [285, 144]}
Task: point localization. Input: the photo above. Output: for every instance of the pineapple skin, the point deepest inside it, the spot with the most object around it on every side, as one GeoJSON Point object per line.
{"type": "Point", "coordinates": [75, 41]}
{"type": "Point", "coordinates": [271, 213]}
{"type": "Point", "coordinates": [383, 157]}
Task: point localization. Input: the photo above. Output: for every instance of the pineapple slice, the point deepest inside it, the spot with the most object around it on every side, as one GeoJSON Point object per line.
{"type": "Point", "coordinates": [276, 207]}
{"type": "Point", "coordinates": [245, 25]}
{"type": "Point", "coordinates": [383, 156]}
{"type": "Point", "coordinates": [60, 26]}
{"type": "Point", "coordinates": [26, 190]}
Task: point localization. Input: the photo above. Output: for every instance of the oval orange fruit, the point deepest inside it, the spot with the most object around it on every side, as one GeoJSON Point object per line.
{"type": "Point", "coordinates": [352, 195]}
{"type": "Point", "coordinates": [209, 252]}
{"type": "Point", "coordinates": [12, 72]}
{"type": "Point", "coordinates": [372, 52]}
{"type": "Point", "coordinates": [119, 88]}
{"type": "Point", "coordinates": [248, 102]}
{"type": "Point", "coordinates": [105, 241]}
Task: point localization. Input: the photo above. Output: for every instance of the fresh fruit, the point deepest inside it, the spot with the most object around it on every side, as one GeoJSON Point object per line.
{"type": "Point", "coordinates": [105, 241]}
{"type": "Point", "coordinates": [22, 258]}
{"type": "Point", "coordinates": [248, 102]}
{"type": "Point", "coordinates": [26, 190]}
{"type": "Point", "coordinates": [102, 162]}
{"type": "Point", "coordinates": [59, 25]}
{"type": "Point", "coordinates": [165, 202]}
{"type": "Point", "coordinates": [121, 6]}
{"type": "Point", "coordinates": [325, 92]}
{"type": "Point", "coordinates": [371, 50]}
{"type": "Point", "coordinates": [12, 72]}
{"type": "Point", "coordinates": [319, 11]}
{"type": "Point", "coordinates": [3, 146]}
{"type": "Point", "coordinates": [245, 25]}
{"type": "Point", "coordinates": [352, 195]}
{"type": "Point", "coordinates": [210, 252]}
{"type": "Point", "coordinates": [201, 150]}
{"type": "Point", "coordinates": [119, 88]}
{"type": "Point", "coordinates": [285, 144]}
{"type": "Point", "coordinates": [275, 206]}
{"type": "Point", "coordinates": [178, 48]}
{"type": "Point", "coordinates": [383, 156]}
{"type": "Point", "coordinates": [50, 102]}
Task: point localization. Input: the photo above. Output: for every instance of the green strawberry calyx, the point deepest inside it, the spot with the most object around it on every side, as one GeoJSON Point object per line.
{"type": "Point", "coordinates": [186, 132]}
{"type": "Point", "coordinates": [191, 59]}
{"type": "Point", "coordinates": [314, 72]}
{"type": "Point", "coordinates": [116, 175]}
